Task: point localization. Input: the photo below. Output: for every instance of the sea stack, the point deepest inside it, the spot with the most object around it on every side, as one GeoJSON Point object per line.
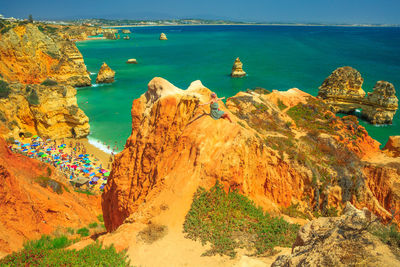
{"type": "Point", "coordinates": [126, 31]}
{"type": "Point", "coordinates": [342, 90]}
{"type": "Point", "coordinates": [105, 75]}
{"type": "Point", "coordinates": [163, 36]}
{"type": "Point", "coordinates": [237, 69]}
{"type": "Point", "coordinates": [131, 61]}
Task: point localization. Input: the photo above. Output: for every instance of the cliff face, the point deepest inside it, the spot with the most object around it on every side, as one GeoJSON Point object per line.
{"type": "Point", "coordinates": [48, 111]}
{"type": "Point", "coordinates": [342, 91]}
{"type": "Point", "coordinates": [277, 155]}
{"type": "Point", "coordinates": [30, 56]}
{"type": "Point", "coordinates": [29, 210]}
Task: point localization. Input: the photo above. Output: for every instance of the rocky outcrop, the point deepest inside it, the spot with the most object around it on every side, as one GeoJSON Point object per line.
{"type": "Point", "coordinates": [383, 104]}
{"type": "Point", "coordinates": [47, 110]}
{"type": "Point", "coordinates": [132, 61]}
{"type": "Point", "coordinates": [30, 56]}
{"type": "Point", "coordinates": [109, 36]}
{"type": "Point", "coordinates": [237, 69]}
{"type": "Point", "coordinates": [126, 31]}
{"type": "Point", "coordinates": [393, 146]}
{"type": "Point", "coordinates": [127, 37]}
{"type": "Point", "coordinates": [163, 36]}
{"type": "Point", "coordinates": [29, 210]}
{"type": "Point", "coordinates": [105, 74]}
{"type": "Point", "coordinates": [339, 241]}
{"type": "Point", "coordinates": [266, 154]}
{"type": "Point", "coordinates": [342, 90]}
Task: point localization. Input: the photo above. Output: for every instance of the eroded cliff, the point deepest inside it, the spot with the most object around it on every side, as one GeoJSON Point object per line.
{"type": "Point", "coordinates": [278, 152]}
{"type": "Point", "coordinates": [29, 55]}
{"type": "Point", "coordinates": [28, 209]}
{"type": "Point", "coordinates": [46, 110]}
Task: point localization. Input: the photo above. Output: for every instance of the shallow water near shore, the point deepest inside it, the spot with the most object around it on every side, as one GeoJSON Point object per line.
{"type": "Point", "coordinates": [274, 57]}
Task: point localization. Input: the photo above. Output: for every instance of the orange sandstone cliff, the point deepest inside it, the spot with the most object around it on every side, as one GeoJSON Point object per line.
{"type": "Point", "coordinates": [28, 210]}
{"type": "Point", "coordinates": [278, 154]}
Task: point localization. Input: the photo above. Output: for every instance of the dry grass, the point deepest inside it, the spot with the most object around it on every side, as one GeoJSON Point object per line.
{"type": "Point", "coordinates": [153, 232]}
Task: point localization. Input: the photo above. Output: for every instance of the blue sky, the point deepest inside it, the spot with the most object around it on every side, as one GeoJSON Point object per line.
{"type": "Point", "coordinates": [320, 11]}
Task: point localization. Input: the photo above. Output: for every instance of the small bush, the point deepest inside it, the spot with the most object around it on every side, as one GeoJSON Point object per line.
{"type": "Point", "coordinates": [2, 117]}
{"type": "Point", "coordinates": [28, 134]}
{"type": "Point", "coordinates": [281, 106]}
{"type": "Point", "coordinates": [87, 192]}
{"type": "Point", "coordinates": [10, 140]}
{"type": "Point", "coordinates": [83, 232]}
{"type": "Point", "coordinates": [93, 225]}
{"type": "Point", "coordinates": [12, 124]}
{"type": "Point", "coordinates": [45, 182]}
{"type": "Point", "coordinates": [153, 232]}
{"type": "Point", "coordinates": [294, 212]}
{"type": "Point", "coordinates": [4, 89]}
{"type": "Point", "coordinates": [73, 110]}
{"type": "Point", "coordinates": [33, 98]}
{"type": "Point", "coordinates": [70, 230]}
{"type": "Point", "coordinates": [47, 242]}
{"type": "Point", "coordinates": [100, 218]}
{"type": "Point", "coordinates": [49, 82]}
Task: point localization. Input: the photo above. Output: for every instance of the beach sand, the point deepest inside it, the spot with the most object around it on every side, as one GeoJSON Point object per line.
{"type": "Point", "coordinates": [101, 155]}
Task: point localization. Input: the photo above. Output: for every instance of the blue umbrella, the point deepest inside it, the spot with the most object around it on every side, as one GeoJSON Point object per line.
{"type": "Point", "coordinates": [85, 171]}
{"type": "Point", "coordinates": [25, 150]}
{"type": "Point", "coordinates": [24, 145]}
{"type": "Point", "coordinates": [95, 179]}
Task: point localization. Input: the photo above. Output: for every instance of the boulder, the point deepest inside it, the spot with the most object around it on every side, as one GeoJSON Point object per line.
{"type": "Point", "coordinates": [163, 36]}
{"type": "Point", "coordinates": [339, 241]}
{"type": "Point", "coordinates": [237, 69]}
{"type": "Point", "coordinates": [393, 145]}
{"type": "Point", "coordinates": [126, 31]}
{"type": "Point", "coordinates": [105, 74]}
{"type": "Point", "coordinates": [132, 61]}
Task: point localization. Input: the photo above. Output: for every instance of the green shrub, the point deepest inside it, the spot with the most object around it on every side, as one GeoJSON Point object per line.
{"type": "Point", "coordinates": [49, 82]}
{"type": "Point", "coordinates": [230, 220]}
{"type": "Point", "coordinates": [47, 242]}
{"type": "Point", "coordinates": [100, 218]}
{"type": "Point", "coordinates": [70, 230]}
{"type": "Point", "coordinates": [33, 98]}
{"type": "Point", "coordinates": [45, 182]}
{"type": "Point", "coordinates": [83, 232]}
{"type": "Point", "coordinates": [388, 234]}
{"type": "Point", "coordinates": [293, 211]}
{"type": "Point", "coordinates": [281, 106]}
{"type": "Point", "coordinates": [4, 89]}
{"type": "Point", "coordinates": [92, 255]}
{"type": "Point", "coordinates": [93, 225]}
{"type": "Point", "coordinates": [87, 192]}
{"type": "Point", "coordinates": [28, 134]}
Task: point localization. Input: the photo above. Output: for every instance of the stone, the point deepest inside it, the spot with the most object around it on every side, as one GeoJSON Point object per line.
{"type": "Point", "coordinates": [30, 56]}
{"type": "Point", "coordinates": [126, 31]}
{"type": "Point", "coordinates": [127, 37]}
{"type": "Point", "coordinates": [393, 146]}
{"type": "Point", "coordinates": [338, 241]}
{"type": "Point", "coordinates": [237, 69]}
{"type": "Point", "coordinates": [163, 36]}
{"type": "Point", "coordinates": [105, 74]}
{"type": "Point", "coordinates": [132, 61]}
{"type": "Point", "coordinates": [342, 90]}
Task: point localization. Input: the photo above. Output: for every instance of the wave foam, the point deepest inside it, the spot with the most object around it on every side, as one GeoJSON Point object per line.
{"type": "Point", "coordinates": [99, 145]}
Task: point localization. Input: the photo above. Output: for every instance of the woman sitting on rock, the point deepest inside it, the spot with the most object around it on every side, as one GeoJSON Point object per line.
{"type": "Point", "coordinates": [215, 112]}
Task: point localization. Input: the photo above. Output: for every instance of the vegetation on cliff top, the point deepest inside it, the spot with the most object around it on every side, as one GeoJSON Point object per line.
{"type": "Point", "coordinates": [4, 89]}
{"type": "Point", "coordinates": [230, 220]}
{"type": "Point", "coordinates": [49, 251]}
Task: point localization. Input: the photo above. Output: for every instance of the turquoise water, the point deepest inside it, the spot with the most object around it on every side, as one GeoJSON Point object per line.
{"type": "Point", "coordinates": [274, 57]}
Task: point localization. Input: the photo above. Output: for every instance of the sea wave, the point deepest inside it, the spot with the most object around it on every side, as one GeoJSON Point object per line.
{"type": "Point", "coordinates": [93, 73]}
{"type": "Point", "coordinates": [100, 145]}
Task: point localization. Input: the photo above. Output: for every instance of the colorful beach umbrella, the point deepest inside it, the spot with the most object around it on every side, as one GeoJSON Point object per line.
{"type": "Point", "coordinates": [107, 174]}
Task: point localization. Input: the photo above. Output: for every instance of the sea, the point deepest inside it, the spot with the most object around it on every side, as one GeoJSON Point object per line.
{"type": "Point", "coordinates": [274, 57]}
